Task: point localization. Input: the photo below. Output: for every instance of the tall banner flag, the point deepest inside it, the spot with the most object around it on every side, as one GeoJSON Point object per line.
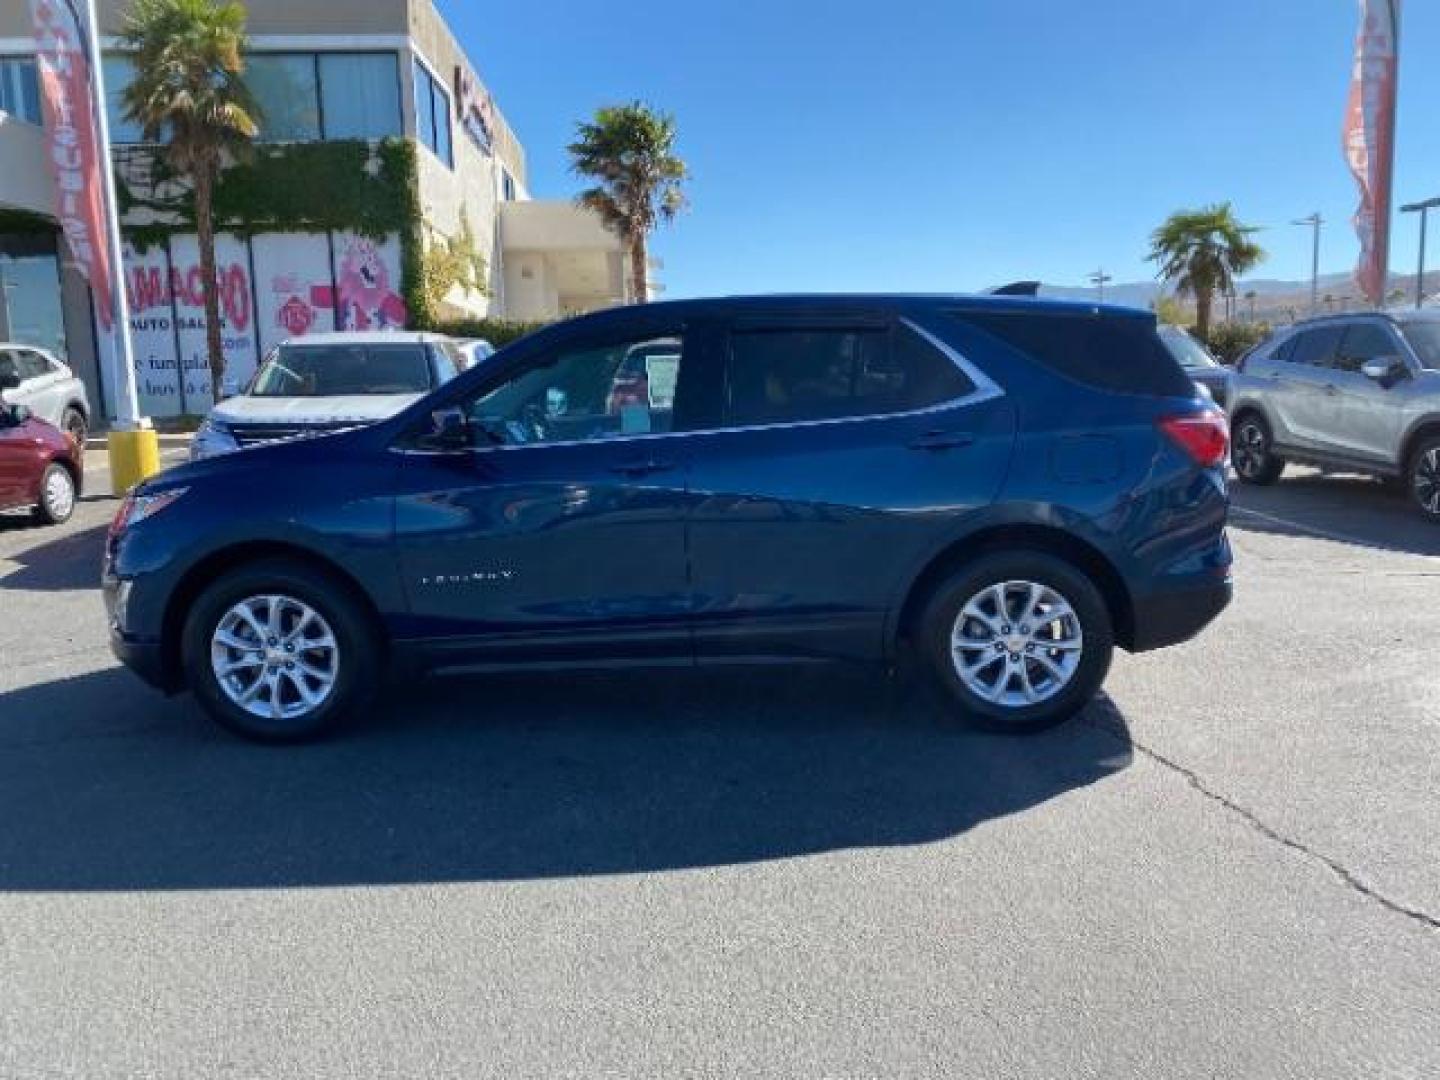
{"type": "Point", "coordinates": [1370, 139]}
{"type": "Point", "coordinates": [73, 146]}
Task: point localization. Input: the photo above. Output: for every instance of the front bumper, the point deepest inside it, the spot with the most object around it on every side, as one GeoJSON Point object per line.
{"type": "Point", "coordinates": [141, 655]}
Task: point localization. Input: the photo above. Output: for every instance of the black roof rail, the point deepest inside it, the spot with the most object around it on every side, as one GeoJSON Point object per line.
{"type": "Point", "coordinates": [1016, 288]}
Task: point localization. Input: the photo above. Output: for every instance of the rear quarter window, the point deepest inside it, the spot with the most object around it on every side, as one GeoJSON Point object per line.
{"type": "Point", "coordinates": [1122, 355]}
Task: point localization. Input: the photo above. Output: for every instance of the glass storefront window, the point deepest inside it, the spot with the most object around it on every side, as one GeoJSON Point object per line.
{"type": "Point", "coordinates": [20, 89]}
{"type": "Point", "coordinates": [286, 94]}
{"type": "Point", "coordinates": [360, 95]}
{"type": "Point", "coordinates": [30, 309]}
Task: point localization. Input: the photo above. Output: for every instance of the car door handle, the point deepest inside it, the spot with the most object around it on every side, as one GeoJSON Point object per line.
{"type": "Point", "coordinates": [942, 440]}
{"type": "Point", "coordinates": [642, 468]}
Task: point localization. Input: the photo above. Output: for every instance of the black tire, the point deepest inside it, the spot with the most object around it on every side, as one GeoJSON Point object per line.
{"type": "Point", "coordinates": [1423, 479]}
{"type": "Point", "coordinates": [72, 421]}
{"type": "Point", "coordinates": [1071, 585]}
{"type": "Point", "coordinates": [57, 496]}
{"type": "Point", "coordinates": [1251, 451]}
{"type": "Point", "coordinates": [357, 656]}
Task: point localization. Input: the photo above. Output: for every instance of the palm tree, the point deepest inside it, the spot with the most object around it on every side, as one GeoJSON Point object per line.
{"type": "Point", "coordinates": [188, 93]}
{"type": "Point", "coordinates": [1203, 251]}
{"type": "Point", "coordinates": [630, 151]}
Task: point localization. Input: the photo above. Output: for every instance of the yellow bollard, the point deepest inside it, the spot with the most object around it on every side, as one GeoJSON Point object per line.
{"type": "Point", "coordinates": [134, 455]}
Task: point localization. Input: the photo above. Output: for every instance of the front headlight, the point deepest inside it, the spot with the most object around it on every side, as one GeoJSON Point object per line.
{"type": "Point", "coordinates": [137, 508]}
{"type": "Point", "coordinates": [212, 437]}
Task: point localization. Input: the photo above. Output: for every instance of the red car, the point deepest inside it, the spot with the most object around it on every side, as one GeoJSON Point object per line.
{"type": "Point", "coordinates": [40, 465]}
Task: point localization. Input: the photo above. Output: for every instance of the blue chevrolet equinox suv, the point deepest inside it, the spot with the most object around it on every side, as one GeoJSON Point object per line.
{"type": "Point", "coordinates": [1003, 488]}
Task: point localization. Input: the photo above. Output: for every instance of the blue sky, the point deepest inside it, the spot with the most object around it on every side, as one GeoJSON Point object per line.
{"type": "Point", "coordinates": [931, 145]}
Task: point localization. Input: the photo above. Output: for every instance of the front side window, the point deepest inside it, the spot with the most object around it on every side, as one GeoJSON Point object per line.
{"type": "Point", "coordinates": [1424, 338]}
{"type": "Point", "coordinates": [1364, 342]}
{"type": "Point", "coordinates": [342, 370]}
{"type": "Point", "coordinates": [285, 91]}
{"type": "Point", "coordinates": [582, 394]}
{"type": "Point", "coordinates": [360, 95]}
{"type": "Point", "coordinates": [32, 365]}
{"type": "Point", "coordinates": [797, 375]}
{"type": "Point", "coordinates": [20, 89]}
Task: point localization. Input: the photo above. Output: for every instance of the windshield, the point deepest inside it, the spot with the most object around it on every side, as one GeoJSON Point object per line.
{"type": "Point", "coordinates": [336, 370]}
{"type": "Point", "coordinates": [1189, 352]}
{"type": "Point", "coordinates": [1424, 338]}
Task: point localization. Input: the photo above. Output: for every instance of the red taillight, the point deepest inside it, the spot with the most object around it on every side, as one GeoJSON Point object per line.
{"type": "Point", "coordinates": [1204, 436]}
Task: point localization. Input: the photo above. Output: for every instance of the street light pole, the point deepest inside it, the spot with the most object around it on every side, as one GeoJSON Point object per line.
{"type": "Point", "coordinates": [1423, 209]}
{"type": "Point", "coordinates": [1314, 221]}
{"type": "Point", "coordinates": [1099, 279]}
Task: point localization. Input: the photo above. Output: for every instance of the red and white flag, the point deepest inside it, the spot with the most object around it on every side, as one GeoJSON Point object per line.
{"type": "Point", "coordinates": [72, 144]}
{"type": "Point", "coordinates": [1370, 138]}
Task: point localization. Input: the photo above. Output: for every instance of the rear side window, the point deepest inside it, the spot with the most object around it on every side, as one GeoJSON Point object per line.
{"type": "Point", "coordinates": [1316, 347]}
{"type": "Point", "coordinates": [794, 375]}
{"type": "Point", "coordinates": [1107, 353]}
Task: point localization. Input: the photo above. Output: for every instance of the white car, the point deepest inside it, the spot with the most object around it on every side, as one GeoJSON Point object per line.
{"type": "Point", "coordinates": [48, 388]}
{"type": "Point", "coordinates": [327, 382]}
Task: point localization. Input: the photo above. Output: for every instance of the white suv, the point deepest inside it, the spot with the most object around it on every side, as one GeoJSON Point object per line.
{"type": "Point", "coordinates": [327, 382]}
{"type": "Point", "coordinates": [1353, 393]}
{"type": "Point", "coordinates": [48, 388]}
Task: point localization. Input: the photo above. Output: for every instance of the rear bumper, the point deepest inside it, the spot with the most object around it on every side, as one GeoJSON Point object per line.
{"type": "Point", "coordinates": [1177, 615]}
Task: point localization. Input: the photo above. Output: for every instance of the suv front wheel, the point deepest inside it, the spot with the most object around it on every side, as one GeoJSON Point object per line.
{"type": "Point", "coordinates": [1252, 452]}
{"type": "Point", "coordinates": [1018, 641]}
{"type": "Point", "coordinates": [1424, 478]}
{"type": "Point", "coordinates": [278, 652]}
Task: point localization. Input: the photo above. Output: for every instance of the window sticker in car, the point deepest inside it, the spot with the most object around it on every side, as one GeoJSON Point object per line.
{"type": "Point", "coordinates": [661, 374]}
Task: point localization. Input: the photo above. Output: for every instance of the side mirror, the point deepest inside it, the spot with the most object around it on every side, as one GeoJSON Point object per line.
{"type": "Point", "coordinates": [9, 381]}
{"type": "Point", "coordinates": [450, 429]}
{"type": "Point", "coordinates": [1385, 370]}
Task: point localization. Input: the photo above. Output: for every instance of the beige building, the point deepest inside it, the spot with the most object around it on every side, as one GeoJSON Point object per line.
{"type": "Point", "coordinates": [356, 75]}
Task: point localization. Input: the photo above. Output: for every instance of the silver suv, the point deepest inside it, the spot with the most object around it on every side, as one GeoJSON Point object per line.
{"type": "Point", "coordinates": [1352, 393]}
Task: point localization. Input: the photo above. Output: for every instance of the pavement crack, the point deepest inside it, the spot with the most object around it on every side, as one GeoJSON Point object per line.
{"type": "Point", "coordinates": [1339, 869]}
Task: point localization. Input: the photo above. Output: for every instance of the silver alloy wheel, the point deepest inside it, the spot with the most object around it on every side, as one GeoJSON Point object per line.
{"type": "Point", "coordinates": [1250, 450]}
{"type": "Point", "coordinates": [275, 657]}
{"type": "Point", "coordinates": [1017, 643]}
{"type": "Point", "coordinates": [1426, 481]}
{"type": "Point", "coordinates": [59, 493]}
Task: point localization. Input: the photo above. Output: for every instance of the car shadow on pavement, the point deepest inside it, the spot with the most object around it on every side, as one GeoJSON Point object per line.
{"type": "Point", "coordinates": [105, 785]}
{"type": "Point", "coordinates": [1347, 509]}
{"type": "Point", "coordinates": [69, 562]}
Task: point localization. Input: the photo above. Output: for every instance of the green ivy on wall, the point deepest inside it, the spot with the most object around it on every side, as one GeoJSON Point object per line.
{"type": "Point", "coordinates": [448, 262]}
{"type": "Point", "coordinates": [338, 186]}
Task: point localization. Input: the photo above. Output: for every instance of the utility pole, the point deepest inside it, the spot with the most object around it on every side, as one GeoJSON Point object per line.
{"type": "Point", "coordinates": [1314, 221]}
{"type": "Point", "coordinates": [1423, 209]}
{"type": "Point", "coordinates": [1100, 279]}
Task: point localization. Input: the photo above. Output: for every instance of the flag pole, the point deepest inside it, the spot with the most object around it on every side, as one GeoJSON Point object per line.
{"type": "Point", "coordinates": [1388, 141]}
{"type": "Point", "coordinates": [118, 347]}
{"type": "Point", "coordinates": [132, 445]}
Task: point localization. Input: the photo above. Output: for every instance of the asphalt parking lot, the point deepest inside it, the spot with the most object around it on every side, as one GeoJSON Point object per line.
{"type": "Point", "coordinates": [1226, 867]}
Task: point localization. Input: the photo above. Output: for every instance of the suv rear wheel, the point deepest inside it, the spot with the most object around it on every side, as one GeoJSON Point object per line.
{"type": "Point", "coordinates": [1424, 478]}
{"type": "Point", "coordinates": [1018, 641]}
{"type": "Point", "coordinates": [1252, 453]}
{"type": "Point", "coordinates": [278, 652]}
